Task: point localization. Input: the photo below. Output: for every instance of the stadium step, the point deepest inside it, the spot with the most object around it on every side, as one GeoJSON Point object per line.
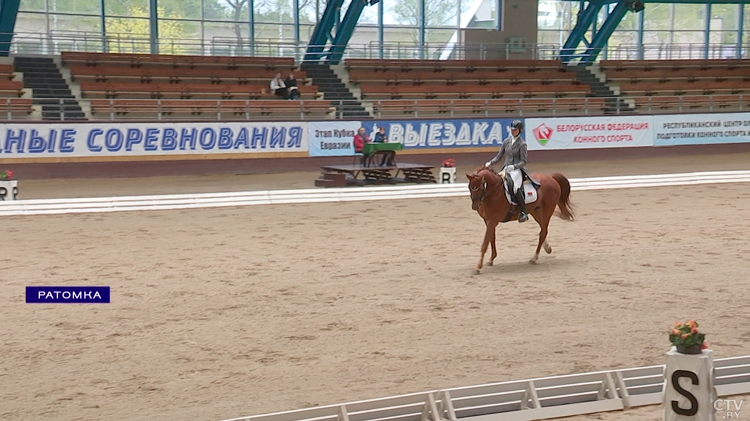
{"type": "Point", "coordinates": [614, 104]}
{"type": "Point", "coordinates": [334, 90]}
{"type": "Point", "coordinates": [50, 90]}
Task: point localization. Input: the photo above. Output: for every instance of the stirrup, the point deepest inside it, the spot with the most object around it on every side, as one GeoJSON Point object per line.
{"type": "Point", "coordinates": [523, 217]}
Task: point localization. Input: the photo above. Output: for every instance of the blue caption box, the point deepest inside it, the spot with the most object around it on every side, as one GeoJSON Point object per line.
{"type": "Point", "coordinates": [67, 294]}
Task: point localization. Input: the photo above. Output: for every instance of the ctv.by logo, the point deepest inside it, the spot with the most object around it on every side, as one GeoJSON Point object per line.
{"type": "Point", "coordinates": [542, 134]}
{"type": "Point", "coordinates": [728, 409]}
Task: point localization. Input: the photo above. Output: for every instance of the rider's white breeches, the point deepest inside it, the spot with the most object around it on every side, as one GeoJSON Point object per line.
{"type": "Point", "coordinates": [517, 178]}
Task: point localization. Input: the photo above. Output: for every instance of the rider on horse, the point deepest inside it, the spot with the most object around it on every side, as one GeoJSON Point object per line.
{"type": "Point", "coordinates": [514, 149]}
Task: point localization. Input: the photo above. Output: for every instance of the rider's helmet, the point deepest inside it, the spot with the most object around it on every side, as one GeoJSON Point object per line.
{"type": "Point", "coordinates": [517, 124]}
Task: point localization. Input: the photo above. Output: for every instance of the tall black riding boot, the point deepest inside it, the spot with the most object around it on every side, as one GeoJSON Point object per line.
{"type": "Point", "coordinates": [522, 216]}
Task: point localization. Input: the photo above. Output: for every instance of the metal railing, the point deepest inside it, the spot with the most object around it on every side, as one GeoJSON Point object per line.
{"type": "Point", "coordinates": [264, 110]}
{"type": "Point", "coordinates": [55, 42]}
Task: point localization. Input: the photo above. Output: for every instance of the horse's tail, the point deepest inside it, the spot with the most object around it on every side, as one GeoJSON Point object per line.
{"type": "Point", "coordinates": [566, 208]}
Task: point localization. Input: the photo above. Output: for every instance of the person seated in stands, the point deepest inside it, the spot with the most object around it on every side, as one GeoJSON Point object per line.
{"type": "Point", "coordinates": [359, 143]}
{"type": "Point", "coordinates": [278, 87]}
{"type": "Point", "coordinates": [389, 157]}
{"type": "Point", "coordinates": [291, 85]}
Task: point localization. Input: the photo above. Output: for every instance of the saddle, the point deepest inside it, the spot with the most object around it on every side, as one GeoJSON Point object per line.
{"type": "Point", "coordinates": [528, 184]}
{"type": "Point", "coordinates": [529, 192]}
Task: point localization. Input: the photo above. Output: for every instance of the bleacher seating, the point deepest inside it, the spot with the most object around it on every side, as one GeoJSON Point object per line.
{"type": "Point", "coordinates": [12, 106]}
{"type": "Point", "coordinates": [488, 107]}
{"type": "Point", "coordinates": [467, 87]}
{"type": "Point", "coordinates": [191, 85]}
{"type": "Point", "coordinates": [211, 109]}
{"type": "Point", "coordinates": [176, 61]}
{"type": "Point", "coordinates": [664, 85]}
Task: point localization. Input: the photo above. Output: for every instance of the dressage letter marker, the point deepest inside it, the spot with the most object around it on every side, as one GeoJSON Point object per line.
{"type": "Point", "coordinates": [67, 295]}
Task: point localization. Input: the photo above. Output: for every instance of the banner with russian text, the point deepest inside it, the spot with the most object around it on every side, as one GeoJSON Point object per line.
{"type": "Point", "coordinates": [700, 129]}
{"type": "Point", "coordinates": [332, 138]}
{"type": "Point", "coordinates": [429, 134]}
{"type": "Point", "coordinates": [149, 139]}
{"type": "Point", "coordinates": [588, 132]}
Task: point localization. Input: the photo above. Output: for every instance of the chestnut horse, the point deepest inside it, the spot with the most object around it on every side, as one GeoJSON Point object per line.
{"type": "Point", "coordinates": [487, 191]}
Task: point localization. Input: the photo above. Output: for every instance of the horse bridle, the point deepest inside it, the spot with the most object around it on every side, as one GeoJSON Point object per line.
{"type": "Point", "coordinates": [482, 193]}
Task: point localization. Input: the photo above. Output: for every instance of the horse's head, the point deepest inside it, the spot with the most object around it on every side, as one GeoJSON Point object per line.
{"type": "Point", "coordinates": [478, 185]}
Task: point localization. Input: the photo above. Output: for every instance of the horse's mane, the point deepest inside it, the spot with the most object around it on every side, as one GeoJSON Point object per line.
{"type": "Point", "coordinates": [488, 169]}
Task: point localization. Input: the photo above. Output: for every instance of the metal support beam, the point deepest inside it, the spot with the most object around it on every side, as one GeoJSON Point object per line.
{"type": "Point", "coordinates": [740, 23]}
{"type": "Point", "coordinates": [344, 29]}
{"type": "Point", "coordinates": [251, 24]}
{"type": "Point", "coordinates": [586, 20]}
{"type": "Point", "coordinates": [103, 22]}
{"type": "Point", "coordinates": [422, 27]}
{"type": "Point", "coordinates": [153, 20]}
{"type": "Point", "coordinates": [381, 32]}
{"type": "Point", "coordinates": [8, 14]}
{"type": "Point", "coordinates": [707, 30]}
{"type": "Point", "coordinates": [586, 17]}
{"type": "Point", "coordinates": [322, 32]}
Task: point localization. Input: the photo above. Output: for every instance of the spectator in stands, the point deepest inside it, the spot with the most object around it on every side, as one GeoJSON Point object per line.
{"type": "Point", "coordinates": [359, 143]}
{"type": "Point", "coordinates": [389, 157]}
{"type": "Point", "coordinates": [515, 151]}
{"type": "Point", "coordinates": [291, 84]}
{"type": "Point", "coordinates": [278, 87]}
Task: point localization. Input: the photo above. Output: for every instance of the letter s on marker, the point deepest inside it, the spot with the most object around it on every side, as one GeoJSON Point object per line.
{"type": "Point", "coordinates": [693, 402]}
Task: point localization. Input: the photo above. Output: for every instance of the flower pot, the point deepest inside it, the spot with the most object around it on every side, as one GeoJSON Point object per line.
{"type": "Point", "coordinates": [692, 349]}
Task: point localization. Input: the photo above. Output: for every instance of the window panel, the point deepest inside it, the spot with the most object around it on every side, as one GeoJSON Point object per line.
{"type": "Point", "coordinates": [400, 42]}
{"type": "Point", "coordinates": [74, 6]}
{"type": "Point", "coordinates": [126, 8]}
{"type": "Point", "coordinates": [229, 39]}
{"type": "Point", "coordinates": [128, 35]}
{"type": "Point", "coordinates": [436, 42]}
{"type": "Point", "coordinates": [32, 6]}
{"type": "Point", "coordinates": [179, 37]}
{"type": "Point", "coordinates": [275, 40]}
{"type": "Point", "coordinates": [369, 15]}
{"type": "Point", "coordinates": [725, 17]}
{"type": "Point", "coordinates": [183, 9]}
{"type": "Point", "coordinates": [552, 38]}
{"type": "Point", "coordinates": [548, 14]}
{"type": "Point", "coordinates": [689, 16]}
{"type": "Point", "coordinates": [441, 12]}
{"type": "Point", "coordinates": [311, 10]}
{"type": "Point", "coordinates": [402, 12]}
{"type": "Point", "coordinates": [657, 16]}
{"type": "Point", "coordinates": [274, 11]}
{"type": "Point", "coordinates": [231, 10]}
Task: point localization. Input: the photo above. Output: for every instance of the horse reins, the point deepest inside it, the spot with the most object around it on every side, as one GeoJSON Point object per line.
{"type": "Point", "coordinates": [483, 194]}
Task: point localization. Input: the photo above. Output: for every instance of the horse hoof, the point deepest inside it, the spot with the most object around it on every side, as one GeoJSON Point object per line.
{"type": "Point", "coordinates": [548, 250]}
{"type": "Point", "coordinates": [476, 272]}
{"type": "Point", "coordinates": [489, 263]}
{"type": "Point", "coordinates": [533, 260]}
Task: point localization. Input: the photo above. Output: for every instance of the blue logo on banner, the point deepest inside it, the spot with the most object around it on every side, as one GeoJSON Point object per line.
{"type": "Point", "coordinates": [67, 294]}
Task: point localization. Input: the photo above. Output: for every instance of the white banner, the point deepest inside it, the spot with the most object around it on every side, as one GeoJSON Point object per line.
{"type": "Point", "coordinates": [588, 132]}
{"type": "Point", "coordinates": [701, 129]}
{"type": "Point", "coordinates": [332, 138]}
{"type": "Point", "coordinates": [149, 139]}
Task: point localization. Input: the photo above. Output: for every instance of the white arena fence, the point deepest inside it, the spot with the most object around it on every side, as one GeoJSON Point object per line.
{"type": "Point", "coordinates": [345, 194]}
{"type": "Point", "coordinates": [541, 398]}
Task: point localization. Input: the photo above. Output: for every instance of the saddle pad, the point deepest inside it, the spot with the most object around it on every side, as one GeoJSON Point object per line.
{"type": "Point", "coordinates": [530, 193]}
